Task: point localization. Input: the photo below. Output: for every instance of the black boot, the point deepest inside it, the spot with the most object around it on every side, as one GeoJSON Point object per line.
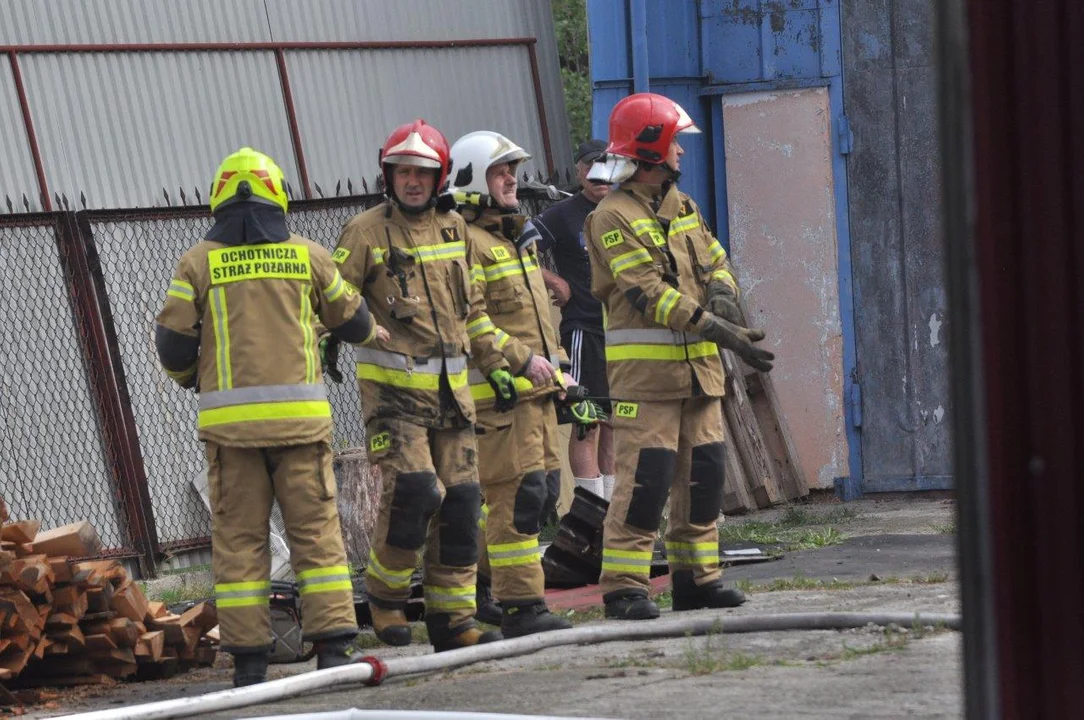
{"type": "Point", "coordinates": [690, 596]}
{"type": "Point", "coordinates": [339, 651]}
{"type": "Point", "coordinates": [530, 618]}
{"type": "Point", "coordinates": [391, 626]}
{"type": "Point", "coordinates": [630, 605]}
{"type": "Point", "coordinates": [465, 634]}
{"type": "Point", "coordinates": [249, 668]}
{"type": "Point", "coordinates": [489, 611]}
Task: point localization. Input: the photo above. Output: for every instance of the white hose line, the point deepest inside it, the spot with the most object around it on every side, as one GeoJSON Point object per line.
{"type": "Point", "coordinates": [590, 635]}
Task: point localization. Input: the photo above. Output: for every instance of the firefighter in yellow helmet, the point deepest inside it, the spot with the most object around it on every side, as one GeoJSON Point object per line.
{"type": "Point", "coordinates": [239, 327]}
{"type": "Point", "coordinates": [407, 256]}
{"type": "Point", "coordinates": [515, 319]}
{"type": "Point", "coordinates": [671, 302]}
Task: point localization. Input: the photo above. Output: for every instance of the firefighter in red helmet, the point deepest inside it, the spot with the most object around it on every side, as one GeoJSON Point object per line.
{"type": "Point", "coordinates": [671, 301]}
{"type": "Point", "coordinates": [407, 257]}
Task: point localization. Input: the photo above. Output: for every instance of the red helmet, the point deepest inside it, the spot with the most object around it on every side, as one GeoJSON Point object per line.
{"type": "Point", "coordinates": [416, 143]}
{"type": "Point", "coordinates": [643, 125]}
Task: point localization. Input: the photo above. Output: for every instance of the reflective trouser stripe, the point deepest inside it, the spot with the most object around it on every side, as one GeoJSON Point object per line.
{"type": "Point", "coordinates": [516, 553]}
{"type": "Point", "coordinates": [450, 598]}
{"type": "Point", "coordinates": [221, 321]}
{"type": "Point", "coordinates": [627, 561]}
{"type": "Point", "coordinates": [396, 579]}
{"type": "Point", "coordinates": [326, 579]}
{"type": "Point", "coordinates": [617, 353]}
{"type": "Point", "coordinates": [692, 553]}
{"type": "Point", "coordinates": [243, 594]}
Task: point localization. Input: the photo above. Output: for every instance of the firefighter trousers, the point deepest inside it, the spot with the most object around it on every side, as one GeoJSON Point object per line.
{"type": "Point", "coordinates": [431, 499]}
{"type": "Point", "coordinates": [512, 468]}
{"type": "Point", "coordinates": [675, 449]}
{"type": "Point", "coordinates": [556, 492]}
{"type": "Point", "coordinates": [243, 483]}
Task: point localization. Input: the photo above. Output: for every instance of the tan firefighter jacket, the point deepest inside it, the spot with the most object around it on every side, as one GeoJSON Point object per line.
{"type": "Point", "coordinates": [413, 271]}
{"type": "Point", "coordinates": [252, 313]}
{"type": "Point", "coordinates": [515, 319]}
{"type": "Point", "coordinates": [652, 258]}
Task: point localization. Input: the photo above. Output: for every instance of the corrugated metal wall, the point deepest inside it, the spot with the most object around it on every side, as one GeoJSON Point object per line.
{"type": "Point", "coordinates": [894, 177]}
{"type": "Point", "coordinates": [120, 127]}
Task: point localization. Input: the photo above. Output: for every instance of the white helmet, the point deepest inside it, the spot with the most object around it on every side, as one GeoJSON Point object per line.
{"type": "Point", "coordinates": [473, 155]}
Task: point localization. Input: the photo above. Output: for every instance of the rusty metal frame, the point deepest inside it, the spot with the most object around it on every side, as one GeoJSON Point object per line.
{"type": "Point", "coordinates": [279, 49]}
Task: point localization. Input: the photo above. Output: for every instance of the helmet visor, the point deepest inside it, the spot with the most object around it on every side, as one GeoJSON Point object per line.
{"type": "Point", "coordinates": [416, 160]}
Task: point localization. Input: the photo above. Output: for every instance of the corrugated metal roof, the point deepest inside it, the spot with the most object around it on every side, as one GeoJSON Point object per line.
{"type": "Point", "coordinates": [342, 127]}
{"type": "Point", "coordinates": [120, 127]}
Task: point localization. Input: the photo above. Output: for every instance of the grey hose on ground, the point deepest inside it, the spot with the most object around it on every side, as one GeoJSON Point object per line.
{"type": "Point", "coordinates": [589, 635]}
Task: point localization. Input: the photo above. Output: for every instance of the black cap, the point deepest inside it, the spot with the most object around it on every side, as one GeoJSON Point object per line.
{"type": "Point", "coordinates": [590, 151]}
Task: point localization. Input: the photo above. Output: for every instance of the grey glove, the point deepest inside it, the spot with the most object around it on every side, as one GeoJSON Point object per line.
{"type": "Point", "coordinates": [723, 302]}
{"type": "Point", "coordinates": [727, 335]}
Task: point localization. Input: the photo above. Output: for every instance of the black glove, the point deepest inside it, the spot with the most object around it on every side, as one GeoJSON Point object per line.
{"type": "Point", "coordinates": [734, 337]}
{"type": "Point", "coordinates": [329, 357]}
{"type": "Point", "coordinates": [504, 386]}
{"type": "Point", "coordinates": [723, 302]}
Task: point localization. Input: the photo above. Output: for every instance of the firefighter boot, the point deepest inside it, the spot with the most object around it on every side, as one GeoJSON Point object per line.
{"type": "Point", "coordinates": [529, 618]}
{"type": "Point", "coordinates": [249, 668]}
{"type": "Point", "coordinates": [489, 611]}
{"type": "Point", "coordinates": [338, 651]}
{"type": "Point", "coordinates": [630, 605]}
{"type": "Point", "coordinates": [690, 596]}
{"type": "Point", "coordinates": [463, 635]}
{"type": "Point", "coordinates": [391, 626]}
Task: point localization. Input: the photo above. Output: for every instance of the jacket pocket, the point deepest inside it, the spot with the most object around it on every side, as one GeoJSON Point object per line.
{"type": "Point", "coordinates": [460, 287]}
{"type": "Point", "coordinates": [504, 299]}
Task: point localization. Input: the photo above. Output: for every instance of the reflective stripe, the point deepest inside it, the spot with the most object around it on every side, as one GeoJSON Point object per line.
{"type": "Point", "coordinates": [651, 337]}
{"type": "Point", "coordinates": [692, 553]}
{"type": "Point", "coordinates": [716, 250]}
{"type": "Point", "coordinates": [309, 334]}
{"type": "Point", "coordinates": [326, 579]}
{"type": "Point", "coordinates": [687, 222]}
{"type": "Point", "coordinates": [651, 228]}
{"type": "Point", "coordinates": [221, 321]}
{"type": "Point", "coordinates": [480, 389]}
{"type": "Point", "coordinates": [335, 290]}
{"type": "Point", "coordinates": [181, 290]}
{"type": "Point", "coordinates": [623, 262]}
{"type": "Point", "coordinates": [661, 352]}
{"type": "Point", "coordinates": [480, 326]}
{"type": "Point", "coordinates": [665, 305]}
{"type": "Point", "coordinates": [502, 338]}
{"type": "Point", "coordinates": [261, 394]}
{"type": "Point", "coordinates": [259, 412]}
{"type": "Point", "coordinates": [243, 594]}
{"type": "Point", "coordinates": [398, 361]}
{"type": "Point", "coordinates": [397, 579]}
{"type": "Point", "coordinates": [378, 256]}
{"type": "Point", "coordinates": [449, 598]}
{"type": "Point", "coordinates": [443, 251]}
{"type": "Point", "coordinates": [628, 561]}
{"type": "Point", "coordinates": [182, 375]}
{"type": "Point", "coordinates": [508, 268]}
{"type": "Point", "coordinates": [517, 553]}
{"type": "Point", "coordinates": [405, 379]}
{"type": "Point", "coordinates": [725, 276]}
{"type": "Point", "coordinates": [477, 274]}
{"type": "Point", "coordinates": [483, 517]}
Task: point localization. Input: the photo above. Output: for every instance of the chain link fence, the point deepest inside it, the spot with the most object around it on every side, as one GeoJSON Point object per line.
{"type": "Point", "coordinates": [54, 466]}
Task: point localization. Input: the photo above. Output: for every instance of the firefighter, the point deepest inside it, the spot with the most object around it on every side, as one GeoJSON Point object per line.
{"type": "Point", "coordinates": [407, 256]}
{"type": "Point", "coordinates": [671, 302]}
{"type": "Point", "coordinates": [239, 326]}
{"type": "Point", "coordinates": [513, 441]}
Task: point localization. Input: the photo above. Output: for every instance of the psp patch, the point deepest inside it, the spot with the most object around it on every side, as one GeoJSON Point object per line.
{"type": "Point", "coordinates": [379, 442]}
{"type": "Point", "coordinates": [612, 239]}
{"type": "Point", "coordinates": [340, 255]}
{"type": "Point", "coordinates": [626, 410]}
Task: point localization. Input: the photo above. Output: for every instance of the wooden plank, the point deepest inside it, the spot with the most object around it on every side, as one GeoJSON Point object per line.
{"type": "Point", "coordinates": [736, 499]}
{"type": "Point", "coordinates": [205, 655]}
{"type": "Point", "coordinates": [150, 646]}
{"type": "Point", "coordinates": [202, 615]}
{"type": "Point", "coordinates": [116, 655]}
{"type": "Point", "coordinates": [100, 599]}
{"type": "Point", "coordinates": [773, 426]}
{"type": "Point", "coordinates": [747, 438]}
{"type": "Point", "coordinates": [130, 603]}
{"type": "Point", "coordinates": [156, 609]}
{"type": "Point", "coordinates": [192, 635]}
{"type": "Point", "coordinates": [100, 643]}
{"type": "Point", "coordinates": [72, 600]}
{"type": "Point", "coordinates": [213, 635]}
{"type": "Point", "coordinates": [62, 571]}
{"type": "Point", "coordinates": [68, 681]}
{"type": "Point", "coordinates": [171, 625]}
{"type": "Point", "coordinates": [20, 532]}
{"type": "Point", "coordinates": [120, 670]}
{"type": "Point", "coordinates": [125, 633]}
{"type": "Point", "coordinates": [78, 539]}
{"type": "Point", "coordinates": [58, 647]}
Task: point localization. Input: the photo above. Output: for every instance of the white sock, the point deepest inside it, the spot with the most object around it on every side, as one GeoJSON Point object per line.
{"type": "Point", "coordinates": [607, 487]}
{"type": "Point", "coordinates": [592, 484]}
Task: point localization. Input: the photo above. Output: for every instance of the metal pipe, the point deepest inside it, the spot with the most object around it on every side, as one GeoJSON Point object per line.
{"type": "Point", "coordinates": [31, 135]}
{"type": "Point", "coordinates": [231, 46]}
{"type": "Point", "coordinates": [641, 80]}
{"type": "Point", "coordinates": [364, 672]}
{"type": "Point", "coordinates": [536, 79]}
{"type": "Point", "coordinates": [291, 120]}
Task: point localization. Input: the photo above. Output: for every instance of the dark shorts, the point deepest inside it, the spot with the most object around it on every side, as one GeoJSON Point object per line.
{"type": "Point", "coordinates": [587, 351]}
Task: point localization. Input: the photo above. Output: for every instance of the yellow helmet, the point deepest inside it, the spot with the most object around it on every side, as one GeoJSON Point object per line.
{"type": "Point", "coordinates": [248, 175]}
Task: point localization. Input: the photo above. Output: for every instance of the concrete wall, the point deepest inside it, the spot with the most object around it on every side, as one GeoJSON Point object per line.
{"type": "Point", "coordinates": [895, 212]}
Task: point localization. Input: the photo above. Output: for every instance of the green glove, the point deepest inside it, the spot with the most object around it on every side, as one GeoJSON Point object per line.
{"type": "Point", "coordinates": [586, 415]}
{"type": "Point", "coordinates": [723, 302]}
{"type": "Point", "coordinates": [504, 385]}
{"type": "Point", "coordinates": [329, 357]}
{"type": "Point", "coordinates": [734, 337]}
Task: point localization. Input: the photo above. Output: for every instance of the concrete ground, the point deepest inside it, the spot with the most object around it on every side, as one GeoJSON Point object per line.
{"type": "Point", "coordinates": [893, 555]}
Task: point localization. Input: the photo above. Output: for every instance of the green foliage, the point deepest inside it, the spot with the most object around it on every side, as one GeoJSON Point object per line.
{"type": "Point", "coordinates": [570, 24]}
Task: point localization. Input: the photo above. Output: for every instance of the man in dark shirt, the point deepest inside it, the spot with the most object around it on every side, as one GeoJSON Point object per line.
{"type": "Point", "coordinates": [561, 231]}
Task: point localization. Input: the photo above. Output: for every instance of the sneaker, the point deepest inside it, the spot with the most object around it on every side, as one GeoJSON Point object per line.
{"type": "Point", "coordinates": [690, 596]}
{"type": "Point", "coordinates": [249, 668]}
{"type": "Point", "coordinates": [630, 605]}
{"type": "Point", "coordinates": [520, 620]}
